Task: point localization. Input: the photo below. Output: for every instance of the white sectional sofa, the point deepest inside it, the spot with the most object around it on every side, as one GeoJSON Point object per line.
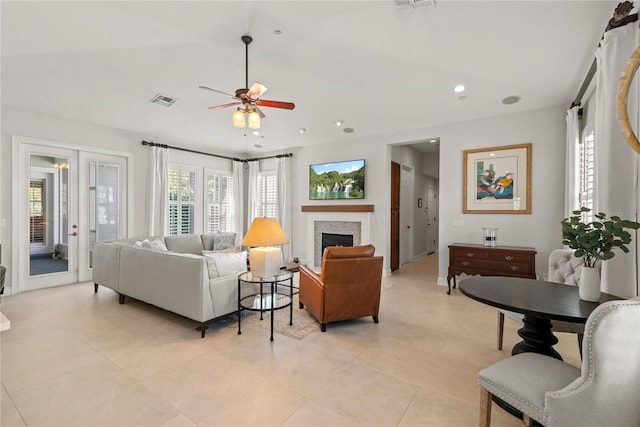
{"type": "Point", "coordinates": [179, 279]}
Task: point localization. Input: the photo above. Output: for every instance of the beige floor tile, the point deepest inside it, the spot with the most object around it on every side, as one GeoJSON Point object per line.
{"type": "Point", "coordinates": [135, 364]}
{"type": "Point", "coordinates": [314, 414]}
{"type": "Point", "coordinates": [32, 360]}
{"type": "Point", "coordinates": [100, 394]}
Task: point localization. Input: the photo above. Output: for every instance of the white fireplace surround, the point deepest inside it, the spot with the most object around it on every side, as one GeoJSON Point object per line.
{"type": "Point", "coordinates": [313, 233]}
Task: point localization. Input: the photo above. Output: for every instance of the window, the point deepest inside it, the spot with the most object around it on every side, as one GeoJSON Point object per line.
{"type": "Point", "coordinates": [267, 194]}
{"type": "Point", "coordinates": [219, 201]}
{"type": "Point", "coordinates": [37, 211]}
{"type": "Point", "coordinates": [585, 172]}
{"type": "Point", "coordinates": [182, 190]}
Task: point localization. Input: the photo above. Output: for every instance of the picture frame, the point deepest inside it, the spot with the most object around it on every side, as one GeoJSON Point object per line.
{"type": "Point", "coordinates": [497, 180]}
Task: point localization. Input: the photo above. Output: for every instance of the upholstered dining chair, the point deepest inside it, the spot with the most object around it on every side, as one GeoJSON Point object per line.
{"type": "Point", "coordinates": [3, 273]}
{"type": "Point", "coordinates": [564, 268]}
{"type": "Point", "coordinates": [348, 286]}
{"type": "Point", "coordinates": [604, 392]}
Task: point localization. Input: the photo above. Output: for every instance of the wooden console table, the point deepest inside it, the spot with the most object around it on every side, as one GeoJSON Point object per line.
{"type": "Point", "coordinates": [510, 261]}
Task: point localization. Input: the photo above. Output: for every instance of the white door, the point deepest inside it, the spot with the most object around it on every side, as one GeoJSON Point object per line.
{"type": "Point", "coordinates": [103, 197]}
{"type": "Point", "coordinates": [47, 200]}
{"type": "Point", "coordinates": [432, 211]}
{"type": "Point", "coordinates": [67, 199]}
{"type": "Point", "coordinates": [406, 214]}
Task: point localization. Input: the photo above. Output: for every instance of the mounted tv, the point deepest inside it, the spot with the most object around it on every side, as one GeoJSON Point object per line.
{"type": "Point", "coordinates": [338, 180]}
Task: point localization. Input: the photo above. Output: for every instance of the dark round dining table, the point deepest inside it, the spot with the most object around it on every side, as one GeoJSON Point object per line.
{"type": "Point", "coordinates": [539, 301]}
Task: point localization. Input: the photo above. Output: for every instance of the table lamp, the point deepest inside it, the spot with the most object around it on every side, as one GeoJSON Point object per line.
{"type": "Point", "coordinates": [264, 259]}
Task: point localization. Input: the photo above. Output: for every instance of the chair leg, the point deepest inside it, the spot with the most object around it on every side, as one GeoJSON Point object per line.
{"type": "Point", "coordinates": [323, 327]}
{"type": "Point", "coordinates": [375, 319]}
{"type": "Point", "coordinates": [95, 288]}
{"type": "Point", "coordinates": [500, 329]}
{"type": "Point", "coordinates": [527, 420]}
{"type": "Point", "coordinates": [485, 408]}
{"type": "Point", "coordinates": [580, 338]}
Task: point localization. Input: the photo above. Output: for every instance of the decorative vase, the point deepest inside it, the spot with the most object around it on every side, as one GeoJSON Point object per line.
{"type": "Point", "coordinates": [589, 286]}
{"type": "Point", "coordinates": [490, 237]}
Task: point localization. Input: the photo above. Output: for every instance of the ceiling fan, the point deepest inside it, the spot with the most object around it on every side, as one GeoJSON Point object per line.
{"type": "Point", "coordinates": [248, 99]}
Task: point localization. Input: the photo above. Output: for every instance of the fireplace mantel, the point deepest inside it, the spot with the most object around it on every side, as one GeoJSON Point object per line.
{"type": "Point", "coordinates": [337, 208]}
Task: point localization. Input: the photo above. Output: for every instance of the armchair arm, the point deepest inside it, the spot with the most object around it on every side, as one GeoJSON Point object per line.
{"type": "Point", "coordinates": [311, 292]}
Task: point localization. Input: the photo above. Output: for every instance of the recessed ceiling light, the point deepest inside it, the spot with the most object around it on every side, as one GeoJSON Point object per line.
{"type": "Point", "coordinates": [492, 154]}
{"type": "Point", "coordinates": [302, 130]}
{"type": "Point", "coordinates": [511, 100]}
{"type": "Point", "coordinates": [257, 145]}
{"type": "Point", "coordinates": [433, 141]}
{"type": "Point", "coordinates": [462, 97]}
{"type": "Point", "coordinates": [277, 32]}
{"type": "Point", "coordinates": [339, 122]}
{"type": "Point", "coordinates": [256, 133]}
{"type": "Point", "coordinates": [348, 130]}
{"type": "Point", "coordinates": [459, 89]}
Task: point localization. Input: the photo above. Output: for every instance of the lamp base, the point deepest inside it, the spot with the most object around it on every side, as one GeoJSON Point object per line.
{"type": "Point", "coordinates": [265, 261]}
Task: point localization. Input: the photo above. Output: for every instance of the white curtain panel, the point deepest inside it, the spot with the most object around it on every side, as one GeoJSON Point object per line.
{"type": "Point", "coordinates": [617, 163]}
{"type": "Point", "coordinates": [252, 192]}
{"type": "Point", "coordinates": [573, 141]}
{"type": "Point", "coordinates": [284, 202]}
{"type": "Point", "coordinates": [156, 220]}
{"type": "Point", "coordinates": [238, 200]}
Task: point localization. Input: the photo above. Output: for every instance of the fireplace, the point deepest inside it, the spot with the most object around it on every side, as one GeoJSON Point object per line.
{"type": "Point", "coordinates": [332, 239]}
{"type": "Point", "coordinates": [355, 224]}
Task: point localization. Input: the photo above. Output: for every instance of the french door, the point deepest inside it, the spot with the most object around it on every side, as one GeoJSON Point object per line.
{"type": "Point", "coordinates": [67, 199]}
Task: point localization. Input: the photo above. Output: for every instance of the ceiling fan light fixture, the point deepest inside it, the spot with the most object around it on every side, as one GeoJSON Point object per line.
{"type": "Point", "coordinates": [254, 120]}
{"type": "Point", "coordinates": [238, 119]}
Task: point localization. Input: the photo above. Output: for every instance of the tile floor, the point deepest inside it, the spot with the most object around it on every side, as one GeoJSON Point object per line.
{"type": "Point", "coordinates": [75, 358]}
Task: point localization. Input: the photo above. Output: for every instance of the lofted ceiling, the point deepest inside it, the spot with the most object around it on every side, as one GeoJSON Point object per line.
{"type": "Point", "coordinates": [378, 68]}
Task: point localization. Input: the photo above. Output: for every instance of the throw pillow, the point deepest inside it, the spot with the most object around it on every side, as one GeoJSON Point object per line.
{"type": "Point", "coordinates": [224, 240]}
{"type": "Point", "coordinates": [227, 263]}
{"type": "Point", "coordinates": [211, 266]}
{"type": "Point", "coordinates": [184, 244]}
{"type": "Point", "coordinates": [155, 244]}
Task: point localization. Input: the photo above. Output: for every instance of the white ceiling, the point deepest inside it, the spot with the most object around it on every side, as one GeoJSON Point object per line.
{"type": "Point", "coordinates": [378, 68]}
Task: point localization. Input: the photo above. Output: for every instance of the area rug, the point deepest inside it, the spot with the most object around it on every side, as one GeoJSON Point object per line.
{"type": "Point", "coordinates": [303, 322]}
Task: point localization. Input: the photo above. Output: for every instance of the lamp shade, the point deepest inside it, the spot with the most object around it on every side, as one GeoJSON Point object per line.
{"type": "Point", "coordinates": [238, 118]}
{"type": "Point", "coordinates": [264, 232]}
{"type": "Point", "coordinates": [254, 120]}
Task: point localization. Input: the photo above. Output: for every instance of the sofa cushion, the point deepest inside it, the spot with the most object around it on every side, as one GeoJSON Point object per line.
{"type": "Point", "coordinates": [225, 263]}
{"type": "Point", "coordinates": [186, 244]}
{"type": "Point", "coordinates": [218, 241]}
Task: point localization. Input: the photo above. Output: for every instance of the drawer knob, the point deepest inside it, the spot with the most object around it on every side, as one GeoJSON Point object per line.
{"type": "Point", "coordinates": [465, 263]}
{"type": "Point", "coordinates": [515, 267]}
{"type": "Point", "coordinates": [508, 257]}
{"type": "Point", "coordinates": [470, 254]}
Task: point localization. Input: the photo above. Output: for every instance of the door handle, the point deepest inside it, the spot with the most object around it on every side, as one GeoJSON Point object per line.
{"type": "Point", "coordinates": [75, 233]}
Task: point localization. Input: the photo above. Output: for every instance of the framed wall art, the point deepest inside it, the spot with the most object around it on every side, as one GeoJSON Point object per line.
{"type": "Point", "coordinates": [497, 180]}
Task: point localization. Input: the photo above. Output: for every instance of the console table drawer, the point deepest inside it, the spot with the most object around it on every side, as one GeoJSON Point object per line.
{"type": "Point", "coordinates": [510, 257]}
{"type": "Point", "coordinates": [470, 253]}
{"type": "Point", "coordinates": [473, 266]}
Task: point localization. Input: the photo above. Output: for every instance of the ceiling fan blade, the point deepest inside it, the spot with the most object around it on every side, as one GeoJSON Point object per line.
{"type": "Point", "coordinates": [216, 90]}
{"type": "Point", "coordinates": [256, 91]}
{"type": "Point", "coordinates": [260, 113]}
{"type": "Point", "coordinates": [276, 104]}
{"type": "Point", "coordinates": [231, 104]}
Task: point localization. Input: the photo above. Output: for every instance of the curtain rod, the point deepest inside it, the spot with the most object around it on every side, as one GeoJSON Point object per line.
{"type": "Point", "coordinates": [620, 18]}
{"type": "Point", "coordinates": [235, 159]}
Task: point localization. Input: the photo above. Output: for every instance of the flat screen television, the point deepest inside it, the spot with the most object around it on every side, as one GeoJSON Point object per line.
{"type": "Point", "coordinates": [337, 180]}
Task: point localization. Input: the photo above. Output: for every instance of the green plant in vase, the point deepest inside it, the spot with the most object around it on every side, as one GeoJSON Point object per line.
{"type": "Point", "coordinates": [595, 241]}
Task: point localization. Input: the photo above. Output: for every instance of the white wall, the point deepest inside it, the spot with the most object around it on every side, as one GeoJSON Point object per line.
{"type": "Point", "coordinates": [545, 129]}
{"type": "Point", "coordinates": [17, 122]}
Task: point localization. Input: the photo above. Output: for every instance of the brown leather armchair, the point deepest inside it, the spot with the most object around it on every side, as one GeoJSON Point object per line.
{"type": "Point", "coordinates": [347, 287]}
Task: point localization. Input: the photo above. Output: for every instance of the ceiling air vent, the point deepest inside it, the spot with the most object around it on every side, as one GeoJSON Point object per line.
{"type": "Point", "coordinates": [164, 100]}
{"type": "Point", "coordinates": [412, 4]}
